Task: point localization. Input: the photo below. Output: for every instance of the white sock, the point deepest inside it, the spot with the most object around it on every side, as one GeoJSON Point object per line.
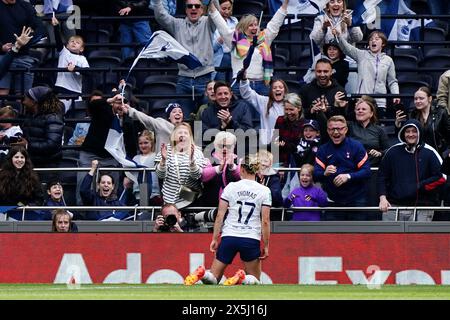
{"type": "Point", "coordinates": [249, 280]}
{"type": "Point", "coordinates": [209, 278]}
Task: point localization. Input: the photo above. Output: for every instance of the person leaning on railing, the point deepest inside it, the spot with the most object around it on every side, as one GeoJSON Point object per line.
{"type": "Point", "coordinates": [103, 196]}
{"type": "Point", "coordinates": [410, 175]}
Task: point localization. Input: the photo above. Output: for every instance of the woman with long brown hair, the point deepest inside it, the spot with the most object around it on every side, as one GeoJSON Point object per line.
{"type": "Point", "coordinates": [269, 107]}
{"type": "Point", "coordinates": [19, 184]}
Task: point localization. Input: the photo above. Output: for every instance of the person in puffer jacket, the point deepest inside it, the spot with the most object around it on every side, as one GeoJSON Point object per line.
{"type": "Point", "coordinates": [410, 174]}
{"type": "Point", "coordinates": [43, 126]}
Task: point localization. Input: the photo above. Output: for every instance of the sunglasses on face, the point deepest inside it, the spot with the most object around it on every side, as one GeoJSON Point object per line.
{"type": "Point", "coordinates": [191, 6]}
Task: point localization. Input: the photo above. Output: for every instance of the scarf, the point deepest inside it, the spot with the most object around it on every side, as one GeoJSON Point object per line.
{"type": "Point", "coordinates": [242, 45]}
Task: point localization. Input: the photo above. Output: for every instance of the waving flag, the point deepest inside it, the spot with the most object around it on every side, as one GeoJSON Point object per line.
{"type": "Point", "coordinates": [114, 144]}
{"type": "Point", "coordinates": [298, 7]}
{"type": "Point", "coordinates": [162, 45]}
{"type": "Point", "coordinates": [365, 12]}
{"type": "Point", "coordinates": [58, 6]}
{"type": "Point", "coordinates": [395, 29]}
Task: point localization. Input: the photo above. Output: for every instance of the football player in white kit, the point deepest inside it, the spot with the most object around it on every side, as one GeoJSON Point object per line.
{"type": "Point", "coordinates": [244, 219]}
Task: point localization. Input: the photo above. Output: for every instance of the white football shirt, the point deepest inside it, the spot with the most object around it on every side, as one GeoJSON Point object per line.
{"type": "Point", "coordinates": [245, 199]}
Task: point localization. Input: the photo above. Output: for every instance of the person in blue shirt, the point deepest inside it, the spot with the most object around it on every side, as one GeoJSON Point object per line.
{"type": "Point", "coordinates": [343, 169]}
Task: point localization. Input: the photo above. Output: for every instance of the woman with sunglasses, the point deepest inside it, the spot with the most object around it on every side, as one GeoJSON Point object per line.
{"type": "Point", "coordinates": [225, 169]}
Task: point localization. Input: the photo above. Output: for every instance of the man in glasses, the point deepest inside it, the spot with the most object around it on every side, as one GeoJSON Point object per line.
{"type": "Point", "coordinates": [343, 168]}
{"type": "Point", "coordinates": [193, 33]}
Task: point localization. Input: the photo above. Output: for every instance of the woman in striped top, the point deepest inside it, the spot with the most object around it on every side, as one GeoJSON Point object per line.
{"type": "Point", "coordinates": [180, 164]}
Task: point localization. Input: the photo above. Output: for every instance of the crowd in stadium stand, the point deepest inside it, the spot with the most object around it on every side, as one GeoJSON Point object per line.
{"type": "Point", "coordinates": [351, 127]}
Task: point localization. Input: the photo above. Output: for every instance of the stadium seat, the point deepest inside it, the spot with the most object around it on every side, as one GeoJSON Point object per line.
{"type": "Point", "coordinates": [74, 113]}
{"type": "Point", "coordinates": [104, 80]}
{"type": "Point", "coordinates": [248, 7]}
{"type": "Point", "coordinates": [434, 34]}
{"type": "Point", "coordinates": [103, 53]}
{"type": "Point", "coordinates": [405, 61]}
{"type": "Point", "coordinates": [158, 108]}
{"type": "Point", "coordinates": [96, 36]}
{"type": "Point", "coordinates": [436, 60]}
{"type": "Point", "coordinates": [279, 61]}
{"type": "Point", "coordinates": [294, 86]}
{"type": "Point", "coordinates": [282, 52]}
{"type": "Point", "coordinates": [160, 87]}
{"type": "Point", "coordinates": [415, 77]}
{"type": "Point", "coordinates": [161, 77]}
{"type": "Point", "coordinates": [140, 76]}
{"type": "Point", "coordinates": [105, 61]}
{"type": "Point", "coordinates": [46, 77]}
{"type": "Point", "coordinates": [438, 51]}
{"type": "Point", "coordinates": [407, 51]}
{"type": "Point", "coordinates": [294, 34]}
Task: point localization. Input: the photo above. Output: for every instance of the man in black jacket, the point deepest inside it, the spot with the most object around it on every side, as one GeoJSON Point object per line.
{"type": "Point", "coordinates": [319, 95]}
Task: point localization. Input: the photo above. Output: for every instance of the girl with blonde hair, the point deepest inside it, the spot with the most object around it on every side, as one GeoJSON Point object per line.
{"type": "Point", "coordinates": [179, 165]}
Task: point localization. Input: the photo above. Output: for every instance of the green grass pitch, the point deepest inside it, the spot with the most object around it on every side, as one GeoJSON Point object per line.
{"type": "Point", "coordinates": [203, 292]}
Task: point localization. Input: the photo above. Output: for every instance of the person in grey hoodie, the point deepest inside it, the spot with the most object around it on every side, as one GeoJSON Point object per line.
{"type": "Point", "coordinates": [376, 70]}
{"type": "Point", "coordinates": [194, 32]}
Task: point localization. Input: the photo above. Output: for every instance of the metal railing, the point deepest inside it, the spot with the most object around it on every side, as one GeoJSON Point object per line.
{"type": "Point", "coordinates": [152, 209]}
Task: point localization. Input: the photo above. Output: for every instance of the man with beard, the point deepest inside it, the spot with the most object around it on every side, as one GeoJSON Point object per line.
{"type": "Point", "coordinates": [319, 95]}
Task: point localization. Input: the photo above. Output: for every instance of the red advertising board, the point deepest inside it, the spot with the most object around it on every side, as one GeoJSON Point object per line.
{"type": "Point", "coordinates": [167, 258]}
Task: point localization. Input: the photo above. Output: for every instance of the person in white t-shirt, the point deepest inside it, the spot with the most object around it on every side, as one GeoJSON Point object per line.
{"type": "Point", "coordinates": [247, 204]}
{"type": "Point", "coordinates": [70, 57]}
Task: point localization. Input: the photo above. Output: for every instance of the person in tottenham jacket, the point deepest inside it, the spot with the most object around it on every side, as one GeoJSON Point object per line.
{"type": "Point", "coordinates": [410, 171]}
{"type": "Point", "coordinates": [343, 168]}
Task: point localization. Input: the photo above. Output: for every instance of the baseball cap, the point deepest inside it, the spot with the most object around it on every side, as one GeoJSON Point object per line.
{"type": "Point", "coordinates": [312, 123]}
